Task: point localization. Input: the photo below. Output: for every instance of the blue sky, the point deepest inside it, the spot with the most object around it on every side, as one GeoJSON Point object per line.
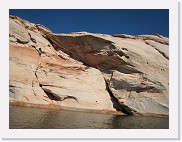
{"type": "Point", "coordinates": [124, 21]}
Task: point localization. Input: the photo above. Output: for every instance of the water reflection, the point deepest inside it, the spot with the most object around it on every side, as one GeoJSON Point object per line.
{"type": "Point", "coordinates": [35, 118]}
{"type": "Point", "coordinates": [134, 122]}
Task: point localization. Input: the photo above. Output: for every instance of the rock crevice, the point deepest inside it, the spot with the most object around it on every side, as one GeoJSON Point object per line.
{"type": "Point", "coordinates": [56, 97]}
{"type": "Point", "coordinates": [116, 104]}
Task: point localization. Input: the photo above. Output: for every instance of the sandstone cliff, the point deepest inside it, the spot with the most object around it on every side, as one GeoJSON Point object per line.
{"type": "Point", "coordinates": [88, 71]}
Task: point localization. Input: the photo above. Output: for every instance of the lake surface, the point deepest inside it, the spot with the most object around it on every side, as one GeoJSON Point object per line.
{"type": "Point", "coordinates": [36, 118]}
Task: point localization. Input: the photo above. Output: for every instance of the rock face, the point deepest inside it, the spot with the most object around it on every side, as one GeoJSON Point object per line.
{"type": "Point", "coordinates": [88, 71]}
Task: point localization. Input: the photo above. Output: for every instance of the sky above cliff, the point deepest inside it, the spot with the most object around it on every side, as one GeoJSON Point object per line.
{"type": "Point", "coordinates": [129, 21]}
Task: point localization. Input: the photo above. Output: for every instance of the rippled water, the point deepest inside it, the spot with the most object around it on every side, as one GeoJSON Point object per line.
{"type": "Point", "coordinates": [36, 118]}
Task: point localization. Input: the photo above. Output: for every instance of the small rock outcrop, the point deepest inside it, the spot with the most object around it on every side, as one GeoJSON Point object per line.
{"type": "Point", "coordinates": [88, 71]}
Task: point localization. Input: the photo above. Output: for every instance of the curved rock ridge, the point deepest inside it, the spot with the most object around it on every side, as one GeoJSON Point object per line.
{"type": "Point", "coordinates": [84, 70]}
{"type": "Point", "coordinates": [124, 36]}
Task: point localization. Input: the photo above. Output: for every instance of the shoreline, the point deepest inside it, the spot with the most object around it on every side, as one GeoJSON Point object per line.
{"type": "Point", "coordinates": [57, 107]}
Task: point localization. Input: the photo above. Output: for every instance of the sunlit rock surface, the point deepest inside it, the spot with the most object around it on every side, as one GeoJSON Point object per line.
{"type": "Point", "coordinates": [88, 71]}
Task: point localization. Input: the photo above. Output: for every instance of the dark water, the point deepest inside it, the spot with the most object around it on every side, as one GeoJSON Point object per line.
{"type": "Point", "coordinates": [36, 118]}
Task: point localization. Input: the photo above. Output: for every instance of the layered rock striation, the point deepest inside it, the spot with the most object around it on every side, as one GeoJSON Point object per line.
{"type": "Point", "coordinates": [86, 71]}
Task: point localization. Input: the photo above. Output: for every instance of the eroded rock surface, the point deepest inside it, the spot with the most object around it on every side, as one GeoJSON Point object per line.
{"type": "Point", "coordinates": [90, 71]}
{"type": "Point", "coordinates": [35, 66]}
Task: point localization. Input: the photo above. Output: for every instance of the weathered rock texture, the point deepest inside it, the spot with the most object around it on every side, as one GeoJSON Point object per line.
{"type": "Point", "coordinates": [88, 71]}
